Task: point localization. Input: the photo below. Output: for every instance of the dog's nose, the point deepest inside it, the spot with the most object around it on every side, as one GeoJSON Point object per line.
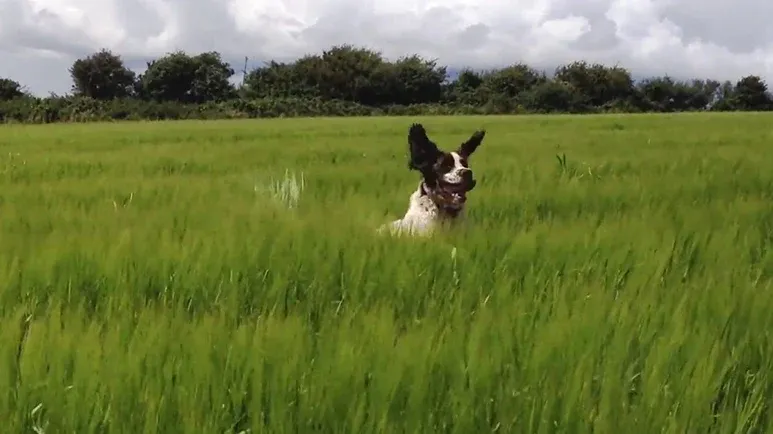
{"type": "Point", "coordinates": [467, 179]}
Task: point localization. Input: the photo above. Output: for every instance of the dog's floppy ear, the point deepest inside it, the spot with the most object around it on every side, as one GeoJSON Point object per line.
{"type": "Point", "coordinates": [423, 151]}
{"type": "Point", "coordinates": [467, 148]}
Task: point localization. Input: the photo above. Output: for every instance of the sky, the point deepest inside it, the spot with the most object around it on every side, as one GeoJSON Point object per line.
{"type": "Point", "coordinates": [718, 39]}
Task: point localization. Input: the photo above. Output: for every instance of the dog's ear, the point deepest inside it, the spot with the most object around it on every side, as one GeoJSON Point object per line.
{"type": "Point", "coordinates": [423, 151]}
{"type": "Point", "coordinates": [467, 148]}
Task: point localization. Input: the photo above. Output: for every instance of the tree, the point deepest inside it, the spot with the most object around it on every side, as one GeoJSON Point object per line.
{"type": "Point", "coordinates": [187, 79]}
{"type": "Point", "coordinates": [468, 80]}
{"type": "Point", "coordinates": [509, 82]}
{"type": "Point", "coordinates": [700, 94]}
{"type": "Point", "coordinates": [552, 96]}
{"type": "Point", "coordinates": [281, 80]}
{"type": "Point", "coordinates": [412, 80]}
{"type": "Point", "coordinates": [722, 99]}
{"type": "Point", "coordinates": [751, 93]}
{"type": "Point", "coordinates": [664, 94]}
{"type": "Point", "coordinates": [351, 73]}
{"type": "Point", "coordinates": [102, 76]}
{"type": "Point", "coordinates": [465, 89]}
{"type": "Point", "coordinates": [346, 72]}
{"type": "Point", "coordinates": [658, 93]}
{"type": "Point", "coordinates": [600, 85]}
{"type": "Point", "coordinates": [10, 89]}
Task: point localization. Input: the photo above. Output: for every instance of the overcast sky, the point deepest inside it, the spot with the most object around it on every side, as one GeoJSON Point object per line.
{"type": "Point", "coordinates": [720, 39]}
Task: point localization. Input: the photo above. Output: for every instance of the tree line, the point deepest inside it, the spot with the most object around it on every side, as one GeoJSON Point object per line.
{"type": "Point", "coordinates": [349, 80]}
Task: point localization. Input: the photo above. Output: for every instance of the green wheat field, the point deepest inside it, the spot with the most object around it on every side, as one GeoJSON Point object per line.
{"type": "Point", "coordinates": [613, 275]}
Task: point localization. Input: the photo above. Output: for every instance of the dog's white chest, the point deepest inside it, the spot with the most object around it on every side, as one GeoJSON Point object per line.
{"type": "Point", "coordinates": [420, 219]}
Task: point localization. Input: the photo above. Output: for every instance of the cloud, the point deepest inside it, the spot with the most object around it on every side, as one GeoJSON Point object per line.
{"type": "Point", "coordinates": [39, 39]}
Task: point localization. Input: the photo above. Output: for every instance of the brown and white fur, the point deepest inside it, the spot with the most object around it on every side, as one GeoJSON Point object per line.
{"type": "Point", "coordinates": [442, 192]}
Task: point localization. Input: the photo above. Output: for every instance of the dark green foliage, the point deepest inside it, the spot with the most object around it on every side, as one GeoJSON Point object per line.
{"type": "Point", "coordinates": [350, 74]}
{"type": "Point", "coordinates": [10, 89]}
{"type": "Point", "coordinates": [663, 94]}
{"type": "Point", "coordinates": [187, 79]}
{"type": "Point", "coordinates": [597, 85]}
{"type": "Point", "coordinates": [751, 93]}
{"type": "Point", "coordinates": [102, 76]}
{"type": "Point", "coordinates": [347, 80]}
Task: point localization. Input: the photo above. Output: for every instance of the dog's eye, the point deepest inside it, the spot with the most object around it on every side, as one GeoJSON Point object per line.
{"type": "Point", "coordinates": [447, 162]}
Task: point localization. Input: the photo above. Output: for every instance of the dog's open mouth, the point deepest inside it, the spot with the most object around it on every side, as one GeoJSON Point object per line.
{"type": "Point", "coordinates": [456, 194]}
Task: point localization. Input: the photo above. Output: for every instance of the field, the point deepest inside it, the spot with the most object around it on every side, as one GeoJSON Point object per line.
{"type": "Point", "coordinates": [613, 275]}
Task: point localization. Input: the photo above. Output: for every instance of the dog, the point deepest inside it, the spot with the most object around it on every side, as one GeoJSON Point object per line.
{"type": "Point", "coordinates": [442, 191]}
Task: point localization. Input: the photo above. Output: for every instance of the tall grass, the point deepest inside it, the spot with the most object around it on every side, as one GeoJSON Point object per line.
{"type": "Point", "coordinates": [613, 275]}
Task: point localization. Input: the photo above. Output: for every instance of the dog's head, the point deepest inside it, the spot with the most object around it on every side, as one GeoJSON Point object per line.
{"type": "Point", "coordinates": [447, 175]}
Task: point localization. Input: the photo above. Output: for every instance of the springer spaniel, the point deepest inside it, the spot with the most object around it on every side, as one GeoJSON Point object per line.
{"type": "Point", "coordinates": [442, 192]}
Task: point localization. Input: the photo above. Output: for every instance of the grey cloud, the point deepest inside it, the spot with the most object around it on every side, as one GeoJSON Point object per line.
{"type": "Point", "coordinates": [138, 19]}
{"type": "Point", "coordinates": [38, 74]}
{"type": "Point", "coordinates": [602, 30]}
{"type": "Point", "coordinates": [472, 36]}
{"type": "Point", "coordinates": [206, 25]}
{"type": "Point", "coordinates": [601, 36]}
{"type": "Point", "coordinates": [740, 26]}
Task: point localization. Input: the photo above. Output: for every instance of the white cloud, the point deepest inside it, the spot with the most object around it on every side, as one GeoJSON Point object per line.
{"type": "Point", "coordinates": [39, 39]}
